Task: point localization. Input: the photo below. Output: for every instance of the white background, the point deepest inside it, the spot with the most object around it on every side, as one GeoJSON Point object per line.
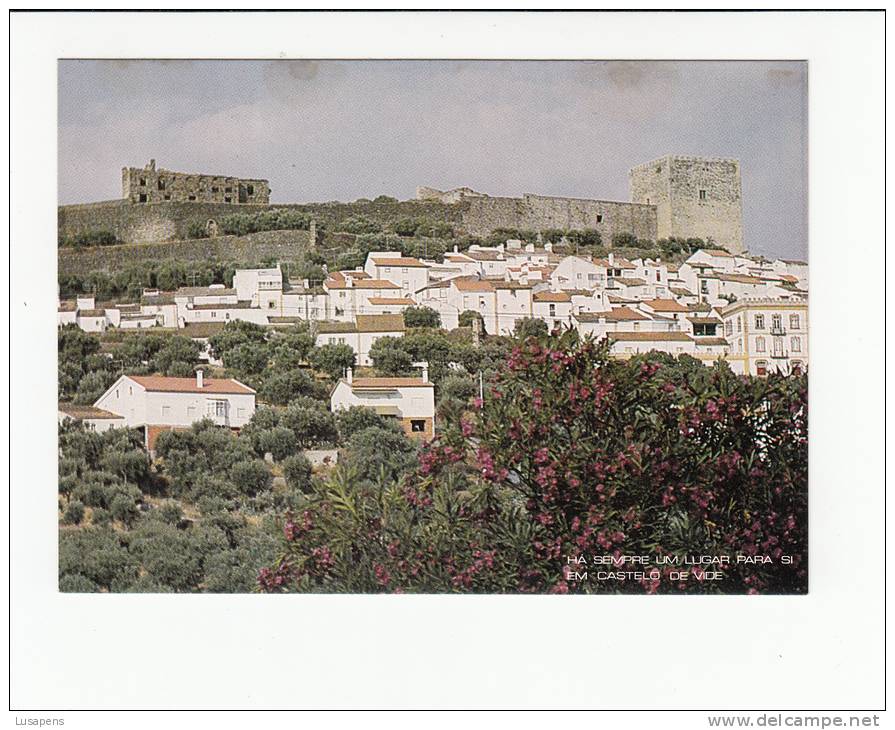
{"type": "Point", "coordinates": [819, 652]}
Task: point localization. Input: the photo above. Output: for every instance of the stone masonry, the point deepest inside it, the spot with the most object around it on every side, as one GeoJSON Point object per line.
{"type": "Point", "coordinates": [151, 185]}
{"type": "Point", "coordinates": [694, 197]}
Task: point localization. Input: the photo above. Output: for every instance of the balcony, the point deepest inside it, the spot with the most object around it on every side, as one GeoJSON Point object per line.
{"type": "Point", "coordinates": [778, 331]}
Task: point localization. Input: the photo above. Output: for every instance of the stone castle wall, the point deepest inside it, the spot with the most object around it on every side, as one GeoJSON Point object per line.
{"type": "Point", "coordinates": [538, 212]}
{"type": "Point", "coordinates": [169, 221]}
{"type": "Point", "coordinates": [254, 247]}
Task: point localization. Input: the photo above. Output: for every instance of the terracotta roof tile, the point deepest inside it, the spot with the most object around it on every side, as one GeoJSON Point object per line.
{"type": "Point", "coordinates": [650, 336]}
{"type": "Point", "coordinates": [665, 305]}
{"type": "Point", "coordinates": [388, 383]}
{"type": "Point", "coordinates": [552, 296]}
{"type": "Point", "coordinates": [380, 322]}
{"type": "Point", "coordinates": [402, 262]}
{"type": "Point", "coordinates": [164, 384]}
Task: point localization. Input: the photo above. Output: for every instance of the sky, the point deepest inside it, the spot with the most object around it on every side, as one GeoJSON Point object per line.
{"type": "Point", "coordinates": [342, 130]}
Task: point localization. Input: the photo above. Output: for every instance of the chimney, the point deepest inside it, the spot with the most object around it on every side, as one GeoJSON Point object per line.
{"type": "Point", "coordinates": [200, 378]}
{"type": "Point", "coordinates": [424, 365]}
{"type": "Point", "coordinates": [456, 249]}
{"type": "Point", "coordinates": [349, 375]}
{"type": "Point", "coordinates": [611, 259]}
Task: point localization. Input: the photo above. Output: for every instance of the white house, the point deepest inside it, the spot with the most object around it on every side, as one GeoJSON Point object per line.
{"type": "Point", "coordinates": [360, 334]}
{"type": "Point", "coordinates": [157, 403]}
{"type": "Point", "coordinates": [410, 400]}
{"type": "Point", "coordinates": [577, 272]}
{"type": "Point", "coordinates": [409, 273]}
{"type": "Point", "coordinates": [94, 419]}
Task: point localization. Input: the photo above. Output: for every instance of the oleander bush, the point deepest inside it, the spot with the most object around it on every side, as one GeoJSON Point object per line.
{"type": "Point", "coordinates": [572, 455]}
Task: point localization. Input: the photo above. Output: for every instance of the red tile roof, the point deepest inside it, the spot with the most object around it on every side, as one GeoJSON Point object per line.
{"type": "Point", "coordinates": [164, 384]}
{"type": "Point", "coordinates": [403, 262]}
{"type": "Point", "coordinates": [665, 305]}
{"type": "Point", "coordinates": [364, 383]}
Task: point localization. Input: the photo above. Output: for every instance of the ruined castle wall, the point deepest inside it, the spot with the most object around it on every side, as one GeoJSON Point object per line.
{"type": "Point", "coordinates": [254, 247]}
{"type": "Point", "coordinates": [537, 212]}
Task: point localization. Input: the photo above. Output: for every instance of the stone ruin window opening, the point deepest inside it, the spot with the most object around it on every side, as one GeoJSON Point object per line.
{"type": "Point", "coordinates": [143, 181]}
{"type": "Point", "coordinates": [142, 197]}
{"type": "Point", "coordinates": [228, 190]}
{"type": "Point", "coordinates": [702, 194]}
{"type": "Point", "coordinates": [250, 189]}
{"type": "Point", "coordinates": [228, 199]}
{"type": "Point", "coordinates": [161, 184]}
{"type": "Point", "coordinates": [599, 217]}
{"type": "Point", "coordinates": [417, 426]}
{"type": "Point", "coordinates": [192, 197]}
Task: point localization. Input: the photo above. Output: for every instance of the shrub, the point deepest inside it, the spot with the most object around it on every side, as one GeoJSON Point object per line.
{"type": "Point", "coordinates": [358, 225]}
{"type": "Point", "coordinates": [96, 554]}
{"type": "Point", "coordinates": [250, 477]}
{"type": "Point", "coordinates": [124, 509]}
{"type": "Point", "coordinates": [357, 418]}
{"type": "Point", "coordinates": [527, 327]}
{"type": "Point", "coordinates": [74, 513]}
{"type": "Point", "coordinates": [622, 240]}
{"type": "Point", "coordinates": [421, 317]}
{"type": "Point", "coordinates": [279, 441]}
{"type": "Point", "coordinates": [197, 229]}
{"type": "Point", "coordinates": [77, 583]}
{"type": "Point", "coordinates": [467, 317]}
{"type": "Point", "coordinates": [297, 470]}
{"type": "Point", "coordinates": [332, 359]}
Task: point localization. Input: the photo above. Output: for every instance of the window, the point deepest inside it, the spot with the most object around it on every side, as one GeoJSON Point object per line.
{"type": "Point", "coordinates": [214, 314]}
{"type": "Point", "coordinates": [167, 197]}
{"type": "Point", "coordinates": [658, 276]}
{"type": "Point", "coordinates": [142, 197]}
{"type": "Point", "coordinates": [404, 271]}
{"type": "Point", "coordinates": [794, 321]}
{"type": "Point", "coordinates": [192, 197]}
{"type": "Point", "coordinates": [166, 411]}
{"type": "Point", "coordinates": [702, 194]}
{"type": "Point", "coordinates": [130, 390]}
{"type": "Point", "coordinates": [161, 184]}
{"type": "Point", "coordinates": [795, 344]}
{"type": "Point", "coordinates": [761, 368]}
{"type": "Point", "coordinates": [704, 287]}
{"type": "Point", "coordinates": [599, 218]}
{"type": "Point", "coordinates": [417, 425]}
{"type": "Point", "coordinates": [226, 315]}
{"type": "Point", "coordinates": [739, 324]}
{"type": "Point", "coordinates": [215, 189]}
{"type": "Point", "coordinates": [759, 344]}
{"type": "Point", "coordinates": [552, 310]}
{"type": "Point", "coordinates": [228, 190]}
{"type": "Point", "coordinates": [227, 199]}
{"type": "Point", "coordinates": [647, 201]}
{"type": "Point", "coordinates": [728, 328]}
{"type": "Point", "coordinates": [142, 181]}
{"type": "Point", "coordinates": [776, 322]}
{"type": "Point", "coordinates": [759, 321]}
{"type": "Point", "coordinates": [271, 304]}
{"type": "Point", "coordinates": [250, 189]}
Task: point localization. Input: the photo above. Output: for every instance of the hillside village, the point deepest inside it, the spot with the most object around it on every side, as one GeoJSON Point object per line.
{"type": "Point", "coordinates": [346, 348]}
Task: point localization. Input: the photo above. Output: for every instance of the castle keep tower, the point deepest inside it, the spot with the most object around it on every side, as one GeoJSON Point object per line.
{"type": "Point", "coordinates": [695, 197]}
